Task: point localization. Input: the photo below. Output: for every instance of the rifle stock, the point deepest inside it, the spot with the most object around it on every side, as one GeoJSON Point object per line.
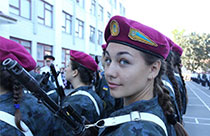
{"type": "Point", "coordinates": [66, 113]}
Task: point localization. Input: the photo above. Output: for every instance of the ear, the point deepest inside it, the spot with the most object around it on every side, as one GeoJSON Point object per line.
{"type": "Point", "coordinates": [75, 73]}
{"type": "Point", "coordinates": [154, 69]}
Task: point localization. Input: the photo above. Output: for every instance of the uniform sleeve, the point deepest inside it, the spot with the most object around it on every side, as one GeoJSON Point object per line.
{"type": "Point", "coordinates": [84, 107]}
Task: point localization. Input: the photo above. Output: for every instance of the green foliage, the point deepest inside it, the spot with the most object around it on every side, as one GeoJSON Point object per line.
{"type": "Point", "coordinates": [196, 49]}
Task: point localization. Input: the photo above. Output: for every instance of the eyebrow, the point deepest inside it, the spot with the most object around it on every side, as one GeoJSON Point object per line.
{"type": "Point", "coordinates": [120, 53]}
{"type": "Point", "coordinates": [124, 52]}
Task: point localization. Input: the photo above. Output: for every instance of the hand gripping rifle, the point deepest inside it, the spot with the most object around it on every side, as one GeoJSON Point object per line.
{"type": "Point", "coordinates": [67, 113]}
{"type": "Point", "coordinates": [59, 89]}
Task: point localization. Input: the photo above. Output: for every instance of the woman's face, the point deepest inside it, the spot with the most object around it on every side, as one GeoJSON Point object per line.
{"type": "Point", "coordinates": [126, 71]}
{"type": "Point", "coordinates": [69, 72]}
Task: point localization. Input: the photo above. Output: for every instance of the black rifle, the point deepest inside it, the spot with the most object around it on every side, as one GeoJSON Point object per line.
{"type": "Point", "coordinates": [59, 89]}
{"type": "Point", "coordinates": [66, 113]}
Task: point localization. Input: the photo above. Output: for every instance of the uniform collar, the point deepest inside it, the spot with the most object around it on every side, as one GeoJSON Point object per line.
{"type": "Point", "coordinates": [84, 88]}
{"type": "Point", "coordinates": [142, 105]}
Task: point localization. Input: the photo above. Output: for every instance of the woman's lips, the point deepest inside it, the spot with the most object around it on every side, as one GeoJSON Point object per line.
{"type": "Point", "coordinates": [113, 85]}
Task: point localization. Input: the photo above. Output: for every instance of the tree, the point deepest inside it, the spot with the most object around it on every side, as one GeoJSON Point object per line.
{"type": "Point", "coordinates": [196, 49]}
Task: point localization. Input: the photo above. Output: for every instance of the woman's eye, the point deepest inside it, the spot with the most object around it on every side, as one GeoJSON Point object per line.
{"type": "Point", "coordinates": [107, 60]}
{"type": "Point", "coordinates": [123, 62]}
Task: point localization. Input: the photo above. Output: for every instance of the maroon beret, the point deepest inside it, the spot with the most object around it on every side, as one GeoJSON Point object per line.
{"type": "Point", "coordinates": [84, 59]}
{"type": "Point", "coordinates": [176, 48]}
{"type": "Point", "coordinates": [134, 34]}
{"type": "Point", "coordinates": [15, 51]}
{"type": "Point", "coordinates": [104, 46]}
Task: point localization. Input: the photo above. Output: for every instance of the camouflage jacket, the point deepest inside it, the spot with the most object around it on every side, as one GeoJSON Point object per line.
{"type": "Point", "coordinates": [139, 128]}
{"type": "Point", "coordinates": [36, 116]}
{"type": "Point", "coordinates": [83, 105]}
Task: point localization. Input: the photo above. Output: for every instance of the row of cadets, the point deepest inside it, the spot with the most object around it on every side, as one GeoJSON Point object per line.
{"type": "Point", "coordinates": [177, 51]}
{"type": "Point", "coordinates": [20, 113]}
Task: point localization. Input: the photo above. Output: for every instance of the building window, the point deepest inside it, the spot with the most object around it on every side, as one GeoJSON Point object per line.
{"type": "Point", "coordinates": [80, 3]}
{"type": "Point", "coordinates": [100, 37]}
{"type": "Point", "coordinates": [100, 13]}
{"type": "Point", "coordinates": [45, 13]}
{"type": "Point", "coordinates": [121, 8]}
{"type": "Point", "coordinates": [67, 23]}
{"type": "Point", "coordinates": [115, 4]}
{"type": "Point", "coordinates": [92, 34]}
{"type": "Point", "coordinates": [79, 30]}
{"type": "Point", "coordinates": [21, 8]}
{"type": "Point", "coordinates": [25, 43]}
{"type": "Point", "coordinates": [65, 57]}
{"type": "Point", "coordinates": [123, 11]}
{"type": "Point", "coordinates": [42, 50]}
{"type": "Point", "coordinates": [108, 15]}
{"type": "Point", "coordinates": [93, 8]}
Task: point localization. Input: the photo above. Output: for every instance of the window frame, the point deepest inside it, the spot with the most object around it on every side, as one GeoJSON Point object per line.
{"type": "Point", "coordinates": [100, 37]}
{"type": "Point", "coordinates": [44, 14]}
{"type": "Point", "coordinates": [65, 63]}
{"type": "Point", "coordinates": [93, 8]}
{"type": "Point", "coordinates": [92, 34]}
{"type": "Point", "coordinates": [44, 52]}
{"type": "Point", "coordinates": [101, 12]}
{"type": "Point", "coordinates": [79, 25]}
{"type": "Point", "coordinates": [19, 9]}
{"type": "Point", "coordinates": [70, 21]}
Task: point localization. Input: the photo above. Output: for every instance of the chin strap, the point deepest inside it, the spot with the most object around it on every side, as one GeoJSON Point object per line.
{"type": "Point", "coordinates": [133, 116]}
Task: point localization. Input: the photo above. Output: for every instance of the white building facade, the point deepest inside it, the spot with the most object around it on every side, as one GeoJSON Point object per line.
{"type": "Point", "coordinates": [53, 27]}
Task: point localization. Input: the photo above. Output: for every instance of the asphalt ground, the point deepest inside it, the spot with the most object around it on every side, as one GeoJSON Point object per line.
{"type": "Point", "coordinates": [197, 117]}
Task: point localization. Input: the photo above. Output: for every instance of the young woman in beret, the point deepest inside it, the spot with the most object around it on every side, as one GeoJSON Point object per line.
{"type": "Point", "coordinates": [81, 73]}
{"type": "Point", "coordinates": [134, 63]}
{"type": "Point", "coordinates": [20, 113]}
{"type": "Point", "coordinates": [177, 51]}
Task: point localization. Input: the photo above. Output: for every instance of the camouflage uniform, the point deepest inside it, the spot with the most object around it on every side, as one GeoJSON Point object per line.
{"type": "Point", "coordinates": [182, 92]}
{"type": "Point", "coordinates": [36, 116]}
{"type": "Point", "coordinates": [139, 128]}
{"type": "Point", "coordinates": [83, 105]}
{"type": "Point", "coordinates": [174, 102]}
{"type": "Point", "coordinates": [104, 93]}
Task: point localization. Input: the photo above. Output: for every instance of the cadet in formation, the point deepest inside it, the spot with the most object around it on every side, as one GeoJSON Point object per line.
{"type": "Point", "coordinates": [81, 73]}
{"type": "Point", "coordinates": [20, 114]}
{"type": "Point", "coordinates": [170, 82]}
{"type": "Point", "coordinates": [133, 67]}
{"type": "Point", "coordinates": [177, 51]}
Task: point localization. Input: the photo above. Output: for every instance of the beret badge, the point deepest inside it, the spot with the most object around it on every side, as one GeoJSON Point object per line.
{"type": "Point", "coordinates": [136, 35]}
{"type": "Point", "coordinates": [114, 28]}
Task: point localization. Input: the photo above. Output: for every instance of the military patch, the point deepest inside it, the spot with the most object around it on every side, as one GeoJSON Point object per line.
{"type": "Point", "coordinates": [114, 28]}
{"type": "Point", "coordinates": [136, 35]}
{"type": "Point", "coordinates": [105, 88]}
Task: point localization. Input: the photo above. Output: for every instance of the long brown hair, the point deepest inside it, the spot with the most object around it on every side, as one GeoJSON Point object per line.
{"type": "Point", "coordinates": [164, 98]}
{"type": "Point", "coordinates": [10, 84]}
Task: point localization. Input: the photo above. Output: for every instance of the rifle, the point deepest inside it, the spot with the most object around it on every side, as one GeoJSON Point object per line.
{"type": "Point", "coordinates": [66, 113]}
{"type": "Point", "coordinates": [59, 89]}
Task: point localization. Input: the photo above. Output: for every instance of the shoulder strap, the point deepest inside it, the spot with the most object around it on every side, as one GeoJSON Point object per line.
{"type": "Point", "coordinates": [166, 83]}
{"type": "Point", "coordinates": [51, 92]}
{"type": "Point", "coordinates": [10, 119]}
{"type": "Point", "coordinates": [133, 116]}
{"type": "Point", "coordinates": [80, 92]}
